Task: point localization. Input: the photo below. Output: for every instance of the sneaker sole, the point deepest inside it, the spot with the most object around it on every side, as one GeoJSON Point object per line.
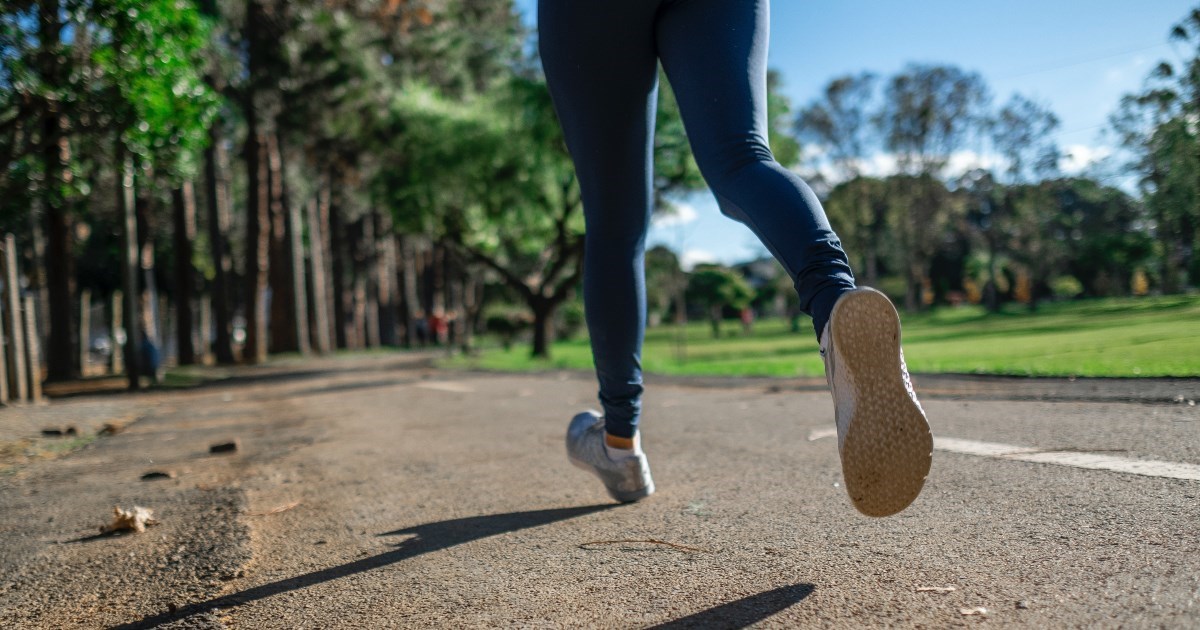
{"type": "Point", "coordinates": [888, 448]}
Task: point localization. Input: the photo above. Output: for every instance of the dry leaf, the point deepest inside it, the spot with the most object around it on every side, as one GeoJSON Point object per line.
{"type": "Point", "coordinates": [137, 519]}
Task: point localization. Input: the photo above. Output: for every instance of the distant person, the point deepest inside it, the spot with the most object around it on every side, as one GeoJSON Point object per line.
{"type": "Point", "coordinates": [747, 317]}
{"type": "Point", "coordinates": [601, 62]}
{"type": "Point", "coordinates": [421, 328]}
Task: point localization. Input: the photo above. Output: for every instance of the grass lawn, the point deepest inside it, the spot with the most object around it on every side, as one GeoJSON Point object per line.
{"type": "Point", "coordinates": [1157, 336]}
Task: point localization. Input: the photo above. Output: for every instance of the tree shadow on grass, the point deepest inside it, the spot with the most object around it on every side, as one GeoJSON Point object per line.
{"type": "Point", "coordinates": [426, 539]}
{"type": "Point", "coordinates": [743, 612]}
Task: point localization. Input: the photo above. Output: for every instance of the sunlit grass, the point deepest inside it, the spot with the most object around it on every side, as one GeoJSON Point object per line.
{"type": "Point", "coordinates": [1113, 337]}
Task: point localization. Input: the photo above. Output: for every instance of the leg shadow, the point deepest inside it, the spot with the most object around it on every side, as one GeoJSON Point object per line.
{"type": "Point", "coordinates": [743, 612]}
{"type": "Point", "coordinates": [427, 538]}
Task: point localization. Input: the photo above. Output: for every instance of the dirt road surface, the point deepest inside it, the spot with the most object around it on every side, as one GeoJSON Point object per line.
{"type": "Point", "coordinates": [378, 492]}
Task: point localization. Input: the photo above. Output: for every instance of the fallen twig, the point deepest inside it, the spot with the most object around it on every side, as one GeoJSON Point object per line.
{"type": "Point", "coordinates": [276, 510]}
{"type": "Point", "coordinates": [648, 541]}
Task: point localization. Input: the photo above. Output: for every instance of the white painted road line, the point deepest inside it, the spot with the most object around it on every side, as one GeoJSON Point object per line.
{"type": "Point", "coordinates": [1091, 461]}
{"type": "Point", "coordinates": [1074, 459]}
{"type": "Point", "coordinates": [982, 449]}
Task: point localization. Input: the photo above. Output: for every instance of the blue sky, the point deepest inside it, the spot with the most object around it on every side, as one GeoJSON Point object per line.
{"type": "Point", "coordinates": [1076, 57]}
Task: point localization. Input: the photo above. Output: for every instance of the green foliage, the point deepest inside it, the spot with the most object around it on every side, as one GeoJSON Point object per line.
{"type": "Point", "coordinates": [1066, 287]}
{"type": "Point", "coordinates": [151, 56]}
{"type": "Point", "coordinates": [717, 288]}
{"type": "Point", "coordinates": [97, 72]}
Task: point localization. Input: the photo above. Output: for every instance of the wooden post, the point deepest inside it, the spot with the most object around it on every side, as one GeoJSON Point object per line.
{"type": "Point", "coordinates": [13, 328]}
{"type": "Point", "coordinates": [85, 329]}
{"type": "Point", "coordinates": [35, 351]}
{"type": "Point", "coordinates": [3, 369]}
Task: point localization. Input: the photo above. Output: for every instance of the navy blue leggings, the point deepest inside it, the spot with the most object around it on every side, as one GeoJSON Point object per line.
{"type": "Point", "coordinates": [601, 62]}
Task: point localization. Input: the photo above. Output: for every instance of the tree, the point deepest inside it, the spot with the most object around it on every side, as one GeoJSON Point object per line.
{"type": "Point", "coordinates": [717, 288]}
{"type": "Point", "coordinates": [838, 123]}
{"type": "Point", "coordinates": [999, 209]}
{"type": "Point", "coordinates": [1158, 127]}
{"type": "Point", "coordinates": [862, 208]}
{"type": "Point", "coordinates": [1104, 235]}
{"type": "Point", "coordinates": [665, 282]}
{"type": "Point", "coordinates": [927, 114]}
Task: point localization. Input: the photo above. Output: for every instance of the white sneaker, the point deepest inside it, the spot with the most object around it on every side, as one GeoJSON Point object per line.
{"type": "Point", "coordinates": [627, 479]}
{"type": "Point", "coordinates": [883, 435]}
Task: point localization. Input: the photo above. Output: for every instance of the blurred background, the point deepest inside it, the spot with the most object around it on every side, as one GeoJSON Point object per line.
{"type": "Point", "coordinates": [193, 182]}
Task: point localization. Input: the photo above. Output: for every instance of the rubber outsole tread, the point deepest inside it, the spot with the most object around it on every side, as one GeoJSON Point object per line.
{"type": "Point", "coordinates": [888, 448]}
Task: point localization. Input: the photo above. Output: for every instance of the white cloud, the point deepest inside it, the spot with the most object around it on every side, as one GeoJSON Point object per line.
{"type": "Point", "coordinates": [1080, 156]}
{"type": "Point", "coordinates": [963, 161]}
{"type": "Point", "coordinates": [693, 257]}
{"type": "Point", "coordinates": [678, 214]}
{"type": "Point", "coordinates": [886, 164]}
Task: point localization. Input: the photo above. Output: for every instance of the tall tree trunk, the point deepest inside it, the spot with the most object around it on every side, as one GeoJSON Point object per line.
{"type": "Point", "coordinates": [283, 334]}
{"type": "Point", "coordinates": [342, 299]}
{"type": "Point", "coordinates": [184, 199]}
{"type": "Point", "coordinates": [411, 305]}
{"type": "Point", "coordinates": [388, 281]}
{"type": "Point", "coordinates": [60, 278]}
{"type": "Point", "coordinates": [60, 355]}
{"type": "Point", "coordinates": [217, 194]}
{"type": "Point", "coordinates": [258, 232]}
{"type": "Point", "coordinates": [295, 240]}
{"type": "Point", "coordinates": [318, 276]}
{"type": "Point", "coordinates": [129, 315]}
{"type": "Point", "coordinates": [371, 280]}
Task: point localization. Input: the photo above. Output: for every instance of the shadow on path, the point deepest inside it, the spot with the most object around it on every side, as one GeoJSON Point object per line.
{"type": "Point", "coordinates": [428, 538]}
{"type": "Point", "coordinates": [743, 612]}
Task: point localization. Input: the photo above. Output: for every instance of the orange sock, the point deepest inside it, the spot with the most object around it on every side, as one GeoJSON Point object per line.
{"type": "Point", "coordinates": [613, 441]}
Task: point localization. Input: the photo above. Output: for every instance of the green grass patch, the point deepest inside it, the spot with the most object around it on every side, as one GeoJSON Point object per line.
{"type": "Point", "coordinates": [1157, 336]}
{"type": "Point", "coordinates": [63, 446]}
